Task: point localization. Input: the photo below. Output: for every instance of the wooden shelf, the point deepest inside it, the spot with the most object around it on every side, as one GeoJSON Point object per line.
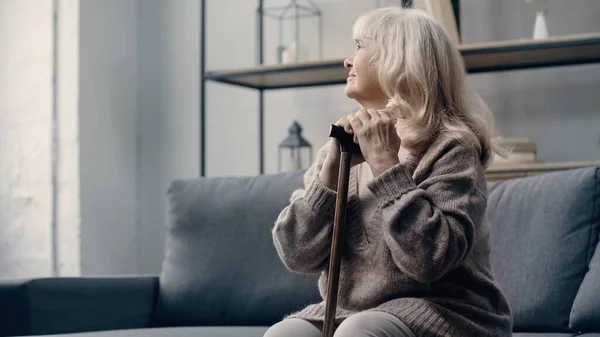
{"type": "Point", "coordinates": [479, 58]}
{"type": "Point", "coordinates": [511, 171]}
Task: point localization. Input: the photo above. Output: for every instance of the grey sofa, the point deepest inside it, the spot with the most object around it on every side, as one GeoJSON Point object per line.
{"type": "Point", "coordinates": [221, 276]}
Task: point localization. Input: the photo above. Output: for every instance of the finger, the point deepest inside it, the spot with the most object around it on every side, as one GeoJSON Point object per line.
{"type": "Point", "coordinates": [388, 115]}
{"type": "Point", "coordinates": [340, 122]}
{"type": "Point", "coordinates": [384, 115]}
{"type": "Point", "coordinates": [363, 116]}
{"type": "Point", "coordinates": [361, 111]}
{"type": "Point", "coordinates": [355, 122]}
{"type": "Point", "coordinates": [347, 126]}
{"type": "Point", "coordinates": [344, 123]}
{"type": "Point", "coordinates": [353, 118]}
{"type": "Point", "coordinates": [374, 115]}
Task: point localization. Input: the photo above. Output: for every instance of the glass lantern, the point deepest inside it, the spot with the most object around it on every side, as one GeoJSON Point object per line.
{"type": "Point", "coordinates": [295, 152]}
{"type": "Point", "coordinates": [291, 47]}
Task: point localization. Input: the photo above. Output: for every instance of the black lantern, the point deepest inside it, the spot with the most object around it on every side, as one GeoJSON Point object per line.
{"type": "Point", "coordinates": [300, 150]}
{"type": "Point", "coordinates": [291, 48]}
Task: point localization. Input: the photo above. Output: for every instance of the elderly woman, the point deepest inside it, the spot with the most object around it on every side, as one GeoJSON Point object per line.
{"type": "Point", "coordinates": [416, 253]}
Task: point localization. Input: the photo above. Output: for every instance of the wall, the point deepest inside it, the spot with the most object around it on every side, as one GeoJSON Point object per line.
{"type": "Point", "coordinates": [67, 178]}
{"type": "Point", "coordinates": [108, 132]}
{"type": "Point", "coordinates": [168, 49]}
{"type": "Point", "coordinates": [25, 137]}
{"type": "Point", "coordinates": [557, 108]}
{"type": "Point", "coordinates": [33, 171]}
{"type": "Point", "coordinates": [68, 153]}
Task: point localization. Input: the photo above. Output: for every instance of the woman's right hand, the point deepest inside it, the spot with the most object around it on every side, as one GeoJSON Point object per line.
{"type": "Point", "coordinates": [330, 169]}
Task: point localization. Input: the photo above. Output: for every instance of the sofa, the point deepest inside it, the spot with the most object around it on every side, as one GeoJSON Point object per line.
{"type": "Point", "coordinates": [221, 276]}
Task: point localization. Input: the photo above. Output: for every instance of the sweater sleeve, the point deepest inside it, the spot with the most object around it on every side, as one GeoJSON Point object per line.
{"type": "Point", "coordinates": [429, 228]}
{"type": "Point", "coordinates": [303, 229]}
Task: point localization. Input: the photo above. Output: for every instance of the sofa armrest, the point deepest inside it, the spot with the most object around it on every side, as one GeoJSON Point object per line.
{"type": "Point", "coordinates": [67, 305]}
{"type": "Point", "coordinates": [14, 319]}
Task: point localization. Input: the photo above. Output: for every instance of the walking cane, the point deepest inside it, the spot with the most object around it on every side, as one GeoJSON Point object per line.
{"type": "Point", "coordinates": [347, 148]}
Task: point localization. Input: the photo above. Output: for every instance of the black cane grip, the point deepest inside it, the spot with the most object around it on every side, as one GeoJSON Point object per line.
{"type": "Point", "coordinates": [345, 140]}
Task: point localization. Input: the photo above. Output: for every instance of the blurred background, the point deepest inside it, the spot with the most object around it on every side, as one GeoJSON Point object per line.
{"type": "Point", "coordinates": [100, 110]}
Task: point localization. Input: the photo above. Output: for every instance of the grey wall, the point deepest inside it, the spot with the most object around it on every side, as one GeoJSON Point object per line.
{"type": "Point", "coordinates": [25, 134]}
{"type": "Point", "coordinates": [68, 202]}
{"type": "Point", "coordinates": [29, 198]}
{"type": "Point", "coordinates": [557, 108]}
{"type": "Point", "coordinates": [168, 49]}
{"type": "Point", "coordinates": [108, 131]}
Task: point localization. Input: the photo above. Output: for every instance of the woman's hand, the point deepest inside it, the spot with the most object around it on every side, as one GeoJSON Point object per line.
{"type": "Point", "coordinates": [378, 139]}
{"type": "Point", "coordinates": [330, 169]}
{"type": "Point", "coordinates": [334, 146]}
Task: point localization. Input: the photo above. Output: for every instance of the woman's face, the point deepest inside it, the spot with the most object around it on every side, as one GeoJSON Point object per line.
{"type": "Point", "coordinates": [361, 83]}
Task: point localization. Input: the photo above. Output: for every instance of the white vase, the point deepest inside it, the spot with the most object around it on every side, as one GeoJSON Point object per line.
{"type": "Point", "coordinates": [540, 28]}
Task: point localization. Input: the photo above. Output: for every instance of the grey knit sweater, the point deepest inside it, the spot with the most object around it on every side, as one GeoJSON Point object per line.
{"type": "Point", "coordinates": [424, 257]}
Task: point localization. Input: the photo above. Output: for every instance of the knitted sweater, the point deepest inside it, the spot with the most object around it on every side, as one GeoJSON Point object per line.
{"type": "Point", "coordinates": [364, 175]}
{"type": "Point", "coordinates": [424, 257]}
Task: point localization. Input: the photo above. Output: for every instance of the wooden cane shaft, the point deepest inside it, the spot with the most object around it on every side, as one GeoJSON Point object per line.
{"type": "Point", "coordinates": [335, 257]}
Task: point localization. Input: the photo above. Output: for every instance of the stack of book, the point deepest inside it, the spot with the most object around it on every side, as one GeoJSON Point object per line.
{"type": "Point", "coordinates": [522, 151]}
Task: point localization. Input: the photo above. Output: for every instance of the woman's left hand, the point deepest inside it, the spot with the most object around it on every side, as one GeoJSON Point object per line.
{"type": "Point", "coordinates": [377, 137]}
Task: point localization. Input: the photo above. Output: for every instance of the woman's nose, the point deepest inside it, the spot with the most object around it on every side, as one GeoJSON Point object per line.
{"type": "Point", "coordinates": [348, 63]}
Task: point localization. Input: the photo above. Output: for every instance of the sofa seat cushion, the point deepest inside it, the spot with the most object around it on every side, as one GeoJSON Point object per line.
{"type": "Point", "coordinates": [221, 267]}
{"type": "Point", "coordinates": [585, 314]}
{"type": "Point", "coordinates": [175, 332]}
{"type": "Point", "coordinates": [543, 334]}
{"type": "Point", "coordinates": [544, 231]}
{"type": "Point", "coordinates": [59, 305]}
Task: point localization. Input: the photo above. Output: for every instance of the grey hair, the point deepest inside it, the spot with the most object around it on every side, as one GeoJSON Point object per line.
{"type": "Point", "coordinates": [423, 73]}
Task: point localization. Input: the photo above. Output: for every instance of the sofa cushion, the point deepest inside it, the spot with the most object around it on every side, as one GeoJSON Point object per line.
{"type": "Point", "coordinates": [542, 334]}
{"type": "Point", "coordinates": [221, 267]}
{"type": "Point", "coordinates": [543, 236]}
{"type": "Point", "coordinates": [585, 314]}
{"type": "Point", "coordinates": [176, 332]}
{"type": "Point", "coordinates": [59, 305]}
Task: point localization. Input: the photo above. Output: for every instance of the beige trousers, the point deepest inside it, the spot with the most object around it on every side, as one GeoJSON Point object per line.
{"type": "Point", "coordinates": [364, 324]}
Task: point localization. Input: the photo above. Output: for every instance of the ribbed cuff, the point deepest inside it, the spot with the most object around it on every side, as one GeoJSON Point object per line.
{"type": "Point", "coordinates": [421, 317]}
{"type": "Point", "coordinates": [319, 197]}
{"type": "Point", "coordinates": [316, 313]}
{"type": "Point", "coordinates": [392, 183]}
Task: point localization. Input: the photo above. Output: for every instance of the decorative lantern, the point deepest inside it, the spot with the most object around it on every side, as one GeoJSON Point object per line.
{"type": "Point", "coordinates": [294, 151]}
{"type": "Point", "coordinates": [290, 48]}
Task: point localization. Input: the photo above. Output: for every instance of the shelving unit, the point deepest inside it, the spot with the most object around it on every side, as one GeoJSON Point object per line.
{"type": "Point", "coordinates": [511, 171]}
{"type": "Point", "coordinates": [479, 58]}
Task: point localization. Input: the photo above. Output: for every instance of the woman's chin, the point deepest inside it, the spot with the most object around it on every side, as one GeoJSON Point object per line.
{"type": "Point", "coordinates": [350, 92]}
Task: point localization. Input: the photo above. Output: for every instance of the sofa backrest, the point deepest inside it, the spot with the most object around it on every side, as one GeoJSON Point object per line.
{"type": "Point", "coordinates": [585, 314]}
{"type": "Point", "coordinates": [221, 267]}
{"type": "Point", "coordinates": [544, 233]}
